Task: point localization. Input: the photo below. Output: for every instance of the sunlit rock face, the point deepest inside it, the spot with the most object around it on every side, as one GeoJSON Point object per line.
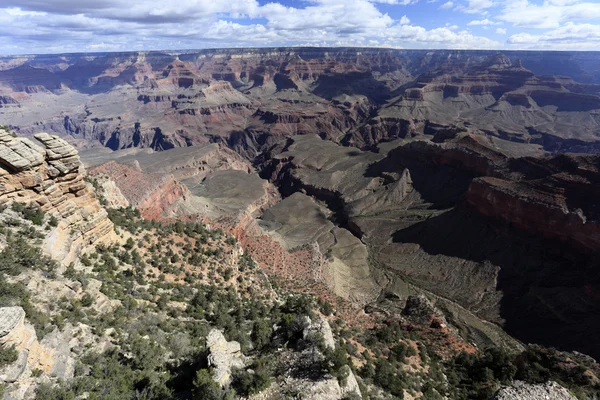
{"type": "Point", "coordinates": [50, 175]}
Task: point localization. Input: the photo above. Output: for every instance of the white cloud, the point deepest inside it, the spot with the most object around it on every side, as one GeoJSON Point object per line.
{"type": "Point", "coordinates": [477, 6]}
{"type": "Point", "coordinates": [483, 22]}
{"type": "Point", "coordinates": [399, 2]}
{"type": "Point", "coordinates": [439, 37]}
{"type": "Point", "coordinates": [29, 26]}
{"type": "Point", "coordinates": [548, 15]}
{"type": "Point", "coordinates": [99, 26]}
{"type": "Point", "coordinates": [562, 2]}
{"type": "Point", "coordinates": [570, 36]}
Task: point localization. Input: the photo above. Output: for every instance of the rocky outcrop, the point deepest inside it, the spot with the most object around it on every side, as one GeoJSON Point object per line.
{"type": "Point", "coordinates": [538, 211]}
{"type": "Point", "coordinates": [19, 154]}
{"type": "Point", "coordinates": [327, 388]}
{"type": "Point", "coordinates": [51, 356]}
{"type": "Point", "coordinates": [152, 194]}
{"type": "Point", "coordinates": [320, 328]}
{"type": "Point", "coordinates": [525, 391]}
{"type": "Point", "coordinates": [420, 310]}
{"type": "Point", "coordinates": [52, 177]}
{"type": "Point", "coordinates": [324, 389]}
{"type": "Point", "coordinates": [110, 192]}
{"type": "Point", "coordinates": [554, 197]}
{"type": "Point", "coordinates": [224, 356]}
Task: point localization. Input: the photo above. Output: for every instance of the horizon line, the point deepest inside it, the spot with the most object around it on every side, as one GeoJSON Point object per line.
{"type": "Point", "coordinates": [191, 50]}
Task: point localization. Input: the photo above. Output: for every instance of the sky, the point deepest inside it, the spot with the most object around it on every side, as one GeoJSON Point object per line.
{"type": "Point", "coordinates": [59, 26]}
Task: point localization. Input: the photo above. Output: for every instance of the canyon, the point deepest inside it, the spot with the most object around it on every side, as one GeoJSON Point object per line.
{"type": "Point", "coordinates": [250, 98]}
{"type": "Point", "coordinates": [462, 184]}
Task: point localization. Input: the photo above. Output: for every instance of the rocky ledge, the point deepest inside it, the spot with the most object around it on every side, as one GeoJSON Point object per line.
{"type": "Point", "coordinates": [52, 177]}
{"type": "Point", "coordinates": [224, 356]}
{"type": "Point", "coordinates": [554, 197]}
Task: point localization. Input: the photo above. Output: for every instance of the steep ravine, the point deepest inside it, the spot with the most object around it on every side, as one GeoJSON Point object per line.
{"type": "Point", "coordinates": [461, 250]}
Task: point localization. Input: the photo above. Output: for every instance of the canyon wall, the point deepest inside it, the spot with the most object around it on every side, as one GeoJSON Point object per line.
{"type": "Point", "coordinates": [51, 176]}
{"type": "Point", "coordinates": [248, 99]}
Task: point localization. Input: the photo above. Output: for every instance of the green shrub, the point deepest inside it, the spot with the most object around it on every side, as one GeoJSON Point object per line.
{"type": "Point", "coordinates": [34, 214]}
{"type": "Point", "coordinates": [52, 221]}
{"type": "Point", "coordinates": [19, 254]}
{"type": "Point", "coordinates": [18, 207]}
{"type": "Point", "coordinates": [325, 307]}
{"type": "Point", "coordinates": [87, 300]}
{"type": "Point", "coordinates": [204, 386]}
{"type": "Point", "coordinates": [250, 383]}
{"type": "Point", "coordinates": [8, 355]}
{"type": "Point", "coordinates": [261, 333]}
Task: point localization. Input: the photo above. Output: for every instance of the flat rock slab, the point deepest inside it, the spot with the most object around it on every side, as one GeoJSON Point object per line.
{"type": "Point", "coordinates": [9, 319]}
{"type": "Point", "coordinates": [19, 154]}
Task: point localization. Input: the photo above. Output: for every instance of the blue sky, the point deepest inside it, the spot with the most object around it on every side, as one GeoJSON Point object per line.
{"type": "Point", "coordinates": [55, 26]}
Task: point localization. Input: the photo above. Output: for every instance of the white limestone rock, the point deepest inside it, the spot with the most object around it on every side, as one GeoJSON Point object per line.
{"type": "Point", "coordinates": [319, 327]}
{"type": "Point", "coordinates": [525, 391]}
{"type": "Point", "coordinates": [224, 356]}
{"type": "Point", "coordinates": [19, 154]}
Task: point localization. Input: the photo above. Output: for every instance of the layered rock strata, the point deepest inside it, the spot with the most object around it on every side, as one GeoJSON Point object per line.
{"type": "Point", "coordinates": [152, 194]}
{"type": "Point", "coordinates": [247, 99]}
{"type": "Point", "coordinates": [52, 177]}
{"type": "Point", "coordinates": [560, 204]}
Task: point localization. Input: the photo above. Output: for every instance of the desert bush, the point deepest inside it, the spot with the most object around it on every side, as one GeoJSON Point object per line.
{"type": "Point", "coordinates": [250, 383]}
{"type": "Point", "coordinates": [8, 355]}
{"type": "Point", "coordinates": [34, 214]}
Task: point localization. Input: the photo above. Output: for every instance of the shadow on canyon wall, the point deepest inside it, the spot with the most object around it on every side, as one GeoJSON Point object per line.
{"type": "Point", "coordinates": [551, 293]}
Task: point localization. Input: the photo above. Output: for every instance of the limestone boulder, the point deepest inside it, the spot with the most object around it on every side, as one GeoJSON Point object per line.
{"type": "Point", "coordinates": [224, 356]}
{"type": "Point", "coordinates": [323, 389]}
{"type": "Point", "coordinates": [525, 391]}
{"type": "Point", "coordinates": [320, 327]}
{"type": "Point", "coordinates": [51, 355]}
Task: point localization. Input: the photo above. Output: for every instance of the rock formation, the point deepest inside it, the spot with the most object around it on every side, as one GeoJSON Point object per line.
{"type": "Point", "coordinates": [554, 198]}
{"type": "Point", "coordinates": [247, 99]}
{"type": "Point", "coordinates": [321, 328]}
{"type": "Point", "coordinates": [51, 177]}
{"type": "Point", "coordinates": [327, 388]}
{"type": "Point", "coordinates": [52, 356]}
{"type": "Point", "coordinates": [161, 184]}
{"type": "Point", "coordinates": [524, 391]}
{"type": "Point", "coordinates": [151, 194]}
{"type": "Point", "coordinates": [110, 192]}
{"type": "Point", "coordinates": [224, 356]}
{"type": "Point", "coordinates": [324, 389]}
